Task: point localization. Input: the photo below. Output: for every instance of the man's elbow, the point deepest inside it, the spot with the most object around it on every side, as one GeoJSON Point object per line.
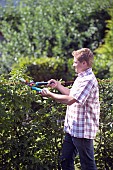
{"type": "Point", "coordinates": [70, 102]}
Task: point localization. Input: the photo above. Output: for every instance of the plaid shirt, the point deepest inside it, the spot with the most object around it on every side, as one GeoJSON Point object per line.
{"type": "Point", "coordinates": [82, 118]}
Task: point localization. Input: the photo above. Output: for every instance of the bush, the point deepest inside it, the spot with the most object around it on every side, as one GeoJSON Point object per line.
{"type": "Point", "coordinates": [31, 127]}
{"type": "Point", "coordinates": [30, 132]}
{"type": "Point", "coordinates": [44, 68]}
{"type": "Point", "coordinates": [45, 28]}
{"type": "Point", "coordinates": [104, 140]}
{"type": "Point", "coordinates": [104, 54]}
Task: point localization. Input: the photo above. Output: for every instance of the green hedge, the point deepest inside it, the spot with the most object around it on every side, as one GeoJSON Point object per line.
{"type": "Point", "coordinates": [104, 140]}
{"type": "Point", "coordinates": [31, 127]}
{"type": "Point", "coordinates": [44, 68]}
{"type": "Point", "coordinates": [31, 132]}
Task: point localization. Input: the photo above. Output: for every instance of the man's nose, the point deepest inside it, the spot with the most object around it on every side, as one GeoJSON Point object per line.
{"type": "Point", "coordinates": [74, 65]}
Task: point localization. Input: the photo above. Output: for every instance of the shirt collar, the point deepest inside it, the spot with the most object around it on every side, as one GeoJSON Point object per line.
{"type": "Point", "coordinates": [86, 72]}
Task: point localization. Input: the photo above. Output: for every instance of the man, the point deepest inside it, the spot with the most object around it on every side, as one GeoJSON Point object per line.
{"type": "Point", "coordinates": [82, 114]}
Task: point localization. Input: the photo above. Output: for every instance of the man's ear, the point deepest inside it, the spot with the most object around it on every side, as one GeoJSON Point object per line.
{"type": "Point", "coordinates": [84, 62]}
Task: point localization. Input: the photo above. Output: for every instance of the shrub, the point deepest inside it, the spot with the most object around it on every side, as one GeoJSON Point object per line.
{"type": "Point", "coordinates": [45, 28]}
{"type": "Point", "coordinates": [104, 140]}
{"type": "Point", "coordinates": [31, 127]}
{"type": "Point", "coordinates": [44, 68]}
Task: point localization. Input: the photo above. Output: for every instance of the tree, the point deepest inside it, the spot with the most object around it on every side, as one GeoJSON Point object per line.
{"type": "Point", "coordinates": [50, 28]}
{"type": "Point", "coordinates": [104, 53]}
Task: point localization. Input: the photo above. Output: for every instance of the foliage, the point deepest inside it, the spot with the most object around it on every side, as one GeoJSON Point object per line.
{"type": "Point", "coordinates": [31, 127]}
{"type": "Point", "coordinates": [50, 28]}
{"type": "Point", "coordinates": [30, 130]}
{"type": "Point", "coordinates": [104, 140]}
{"type": "Point", "coordinates": [44, 68]}
{"type": "Point", "coordinates": [104, 53]}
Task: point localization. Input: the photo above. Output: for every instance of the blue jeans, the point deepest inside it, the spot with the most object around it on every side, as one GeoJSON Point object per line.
{"type": "Point", "coordinates": [71, 147]}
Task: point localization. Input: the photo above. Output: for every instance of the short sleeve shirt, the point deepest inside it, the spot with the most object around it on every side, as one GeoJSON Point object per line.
{"type": "Point", "coordinates": [82, 117]}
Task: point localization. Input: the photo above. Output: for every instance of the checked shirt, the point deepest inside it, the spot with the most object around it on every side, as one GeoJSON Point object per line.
{"type": "Point", "coordinates": [82, 117]}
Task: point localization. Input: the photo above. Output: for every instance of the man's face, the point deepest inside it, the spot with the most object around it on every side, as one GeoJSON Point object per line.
{"type": "Point", "coordinates": [79, 66]}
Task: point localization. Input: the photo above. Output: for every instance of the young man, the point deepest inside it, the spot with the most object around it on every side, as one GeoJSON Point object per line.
{"type": "Point", "coordinates": [82, 114]}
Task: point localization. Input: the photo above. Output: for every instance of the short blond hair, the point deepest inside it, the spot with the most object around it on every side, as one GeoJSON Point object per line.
{"type": "Point", "coordinates": [84, 54]}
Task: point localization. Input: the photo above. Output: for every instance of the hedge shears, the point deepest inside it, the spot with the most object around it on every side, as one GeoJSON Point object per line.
{"type": "Point", "coordinates": [34, 85]}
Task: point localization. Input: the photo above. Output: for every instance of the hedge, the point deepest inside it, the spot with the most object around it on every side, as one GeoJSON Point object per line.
{"type": "Point", "coordinates": [31, 127]}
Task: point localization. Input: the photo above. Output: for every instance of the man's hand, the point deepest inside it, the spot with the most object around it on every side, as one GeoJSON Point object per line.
{"type": "Point", "coordinates": [57, 85]}
{"type": "Point", "coordinates": [45, 92]}
{"type": "Point", "coordinates": [53, 83]}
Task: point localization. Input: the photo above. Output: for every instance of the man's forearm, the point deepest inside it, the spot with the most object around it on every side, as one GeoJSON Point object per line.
{"type": "Point", "coordinates": [63, 90]}
{"type": "Point", "coordinates": [64, 99]}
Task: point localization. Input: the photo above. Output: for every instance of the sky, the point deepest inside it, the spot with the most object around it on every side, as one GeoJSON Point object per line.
{"type": "Point", "coordinates": [3, 2]}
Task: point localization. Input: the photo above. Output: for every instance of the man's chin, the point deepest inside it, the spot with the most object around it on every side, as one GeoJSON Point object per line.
{"type": "Point", "coordinates": [76, 71]}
